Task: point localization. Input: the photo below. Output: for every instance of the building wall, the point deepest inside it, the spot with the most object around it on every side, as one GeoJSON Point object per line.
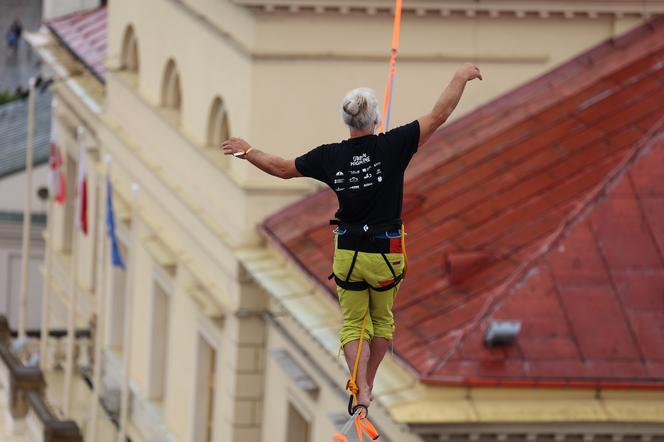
{"type": "Point", "coordinates": [281, 77]}
{"type": "Point", "coordinates": [58, 8]}
{"type": "Point", "coordinates": [12, 190]}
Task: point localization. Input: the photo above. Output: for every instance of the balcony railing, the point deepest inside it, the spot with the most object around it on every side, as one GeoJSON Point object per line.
{"type": "Point", "coordinates": [22, 393]}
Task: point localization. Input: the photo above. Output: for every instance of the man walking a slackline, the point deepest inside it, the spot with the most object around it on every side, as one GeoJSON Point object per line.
{"type": "Point", "coordinates": [366, 172]}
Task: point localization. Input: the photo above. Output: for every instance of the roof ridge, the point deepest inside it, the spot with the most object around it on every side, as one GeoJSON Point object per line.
{"type": "Point", "coordinates": [577, 215]}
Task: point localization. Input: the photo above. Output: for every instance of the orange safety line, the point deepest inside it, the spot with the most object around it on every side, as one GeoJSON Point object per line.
{"type": "Point", "coordinates": [393, 61]}
{"type": "Point", "coordinates": [403, 250]}
{"type": "Point", "coordinates": [358, 428]}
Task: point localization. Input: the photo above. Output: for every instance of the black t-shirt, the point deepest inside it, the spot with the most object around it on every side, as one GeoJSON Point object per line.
{"type": "Point", "coordinates": [365, 172]}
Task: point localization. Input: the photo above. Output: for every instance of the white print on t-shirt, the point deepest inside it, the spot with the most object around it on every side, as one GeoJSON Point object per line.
{"type": "Point", "coordinates": [366, 169]}
{"type": "Point", "coordinates": [360, 159]}
{"type": "Point", "coordinates": [378, 164]}
{"type": "Point", "coordinates": [368, 184]}
{"type": "Point", "coordinates": [380, 179]}
{"type": "Point", "coordinates": [339, 189]}
{"type": "Point", "coordinates": [354, 179]}
{"type": "Point", "coordinates": [378, 172]}
{"type": "Point", "coordinates": [354, 187]}
{"type": "Point", "coordinates": [340, 173]}
{"type": "Point", "coordinates": [339, 181]}
{"type": "Point", "coordinates": [367, 176]}
{"type": "Point", "coordinates": [354, 172]}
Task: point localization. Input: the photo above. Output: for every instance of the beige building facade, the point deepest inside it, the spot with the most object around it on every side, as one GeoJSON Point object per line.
{"type": "Point", "coordinates": [221, 340]}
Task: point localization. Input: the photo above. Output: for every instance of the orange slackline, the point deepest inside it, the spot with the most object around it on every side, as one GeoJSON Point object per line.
{"type": "Point", "coordinates": [360, 422]}
{"type": "Point", "coordinates": [387, 103]}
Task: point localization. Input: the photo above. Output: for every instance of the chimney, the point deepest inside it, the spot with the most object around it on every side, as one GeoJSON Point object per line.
{"type": "Point", "coordinates": [460, 265]}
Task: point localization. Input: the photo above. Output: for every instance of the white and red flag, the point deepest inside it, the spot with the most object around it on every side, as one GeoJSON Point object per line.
{"type": "Point", "coordinates": [82, 187]}
{"type": "Point", "coordinates": [57, 184]}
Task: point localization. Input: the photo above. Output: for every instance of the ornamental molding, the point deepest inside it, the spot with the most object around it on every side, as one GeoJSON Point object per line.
{"type": "Point", "coordinates": [490, 8]}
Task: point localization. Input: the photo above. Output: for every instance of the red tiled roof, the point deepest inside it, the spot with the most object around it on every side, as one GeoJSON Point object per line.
{"type": "Point", "coordinates": [561, 182]}
{"type": "Point", "coordinates": [84, 34]}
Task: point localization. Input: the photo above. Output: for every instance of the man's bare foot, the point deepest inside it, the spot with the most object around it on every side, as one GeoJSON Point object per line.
{"type": "Point", "coordinates": [364, 397]}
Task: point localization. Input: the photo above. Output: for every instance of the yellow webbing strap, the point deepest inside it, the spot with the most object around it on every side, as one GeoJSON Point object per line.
{"type": "Point", "coordinates": [403, 250]}
{"type": "Point", "coordinates": [351, 385]}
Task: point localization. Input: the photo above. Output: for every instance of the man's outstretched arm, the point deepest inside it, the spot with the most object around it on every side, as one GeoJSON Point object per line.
{"type": "Point", "coordinates": [266, 162]}
{"type": "Point", "coordinates": [448, 101]}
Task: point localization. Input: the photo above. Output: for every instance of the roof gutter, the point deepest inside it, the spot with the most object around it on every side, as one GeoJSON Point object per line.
{"type": "Point", "coordinates": [547, 383]}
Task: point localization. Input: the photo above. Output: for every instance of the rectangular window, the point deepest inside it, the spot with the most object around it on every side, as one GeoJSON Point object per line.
{"type": "Point", "coordinates": [159, 348]}
{"type": "Point", "coordinates": [205, 391]}
{"type": "Point", "coordinates": [297, 427]}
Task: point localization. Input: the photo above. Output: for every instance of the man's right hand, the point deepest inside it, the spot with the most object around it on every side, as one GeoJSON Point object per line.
{"type": "Point", "coordinates": [468, 72]}
{"type": "Point", "coordinates": [447, 101]}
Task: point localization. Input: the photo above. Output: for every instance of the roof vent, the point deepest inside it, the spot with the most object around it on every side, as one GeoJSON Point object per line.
{"type": "Point", "coordinates": [502, 333]}
{"type": "Point", "coordinates": [460, 265]}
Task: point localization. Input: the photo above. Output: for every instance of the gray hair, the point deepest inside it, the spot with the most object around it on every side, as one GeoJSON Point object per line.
{"type": "Point", "coordinates": [359, 109]}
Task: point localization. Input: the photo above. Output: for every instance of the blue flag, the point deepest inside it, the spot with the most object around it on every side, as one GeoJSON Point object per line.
{"type": "Point", "coordinates": [116, 257]}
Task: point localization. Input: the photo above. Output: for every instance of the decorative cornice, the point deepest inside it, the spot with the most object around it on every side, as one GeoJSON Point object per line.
{"type": "Point", "coordinates": [489, 8]}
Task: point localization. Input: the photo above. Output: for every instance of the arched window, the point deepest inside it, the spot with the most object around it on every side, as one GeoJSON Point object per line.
{"type": "Point", "coordinates": [171, 94]}
{"type": "Point", "coordinates": [218, 130]}
{"type": "Point", "coordinates": [130, 60]}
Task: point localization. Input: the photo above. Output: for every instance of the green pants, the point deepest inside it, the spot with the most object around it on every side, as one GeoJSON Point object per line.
{"type": "Point", "coordinates": [371, 268]}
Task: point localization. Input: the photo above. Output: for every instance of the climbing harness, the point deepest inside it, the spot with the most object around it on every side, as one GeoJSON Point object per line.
{"type": "Point", "coordinates": [370, 233]}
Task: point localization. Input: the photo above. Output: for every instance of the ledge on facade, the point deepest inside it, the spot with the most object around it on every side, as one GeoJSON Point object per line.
{"type": "Point", "coordinates": [19, 380]}
{"type": "Point", "coordinates": [529, 432]}
{"type": "Point", "coordinates": [54, 430]}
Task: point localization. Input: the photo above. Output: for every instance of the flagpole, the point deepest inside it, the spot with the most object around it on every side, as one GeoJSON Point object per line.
{"type": "Point", "coordinates": [46, 293]}
{"type": "Point", "coordinates": [101, 317]}
{"type": "Point", "coordinates": [48, 258]}
{"type": "Point", "coordinates": [27, 214]}
{"type": "Point", "coordinates": [124, 398]}
{"type": "Point", "coordinates": [71, 325]}
{"type": "Point", "coordinates": [73, 299]}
